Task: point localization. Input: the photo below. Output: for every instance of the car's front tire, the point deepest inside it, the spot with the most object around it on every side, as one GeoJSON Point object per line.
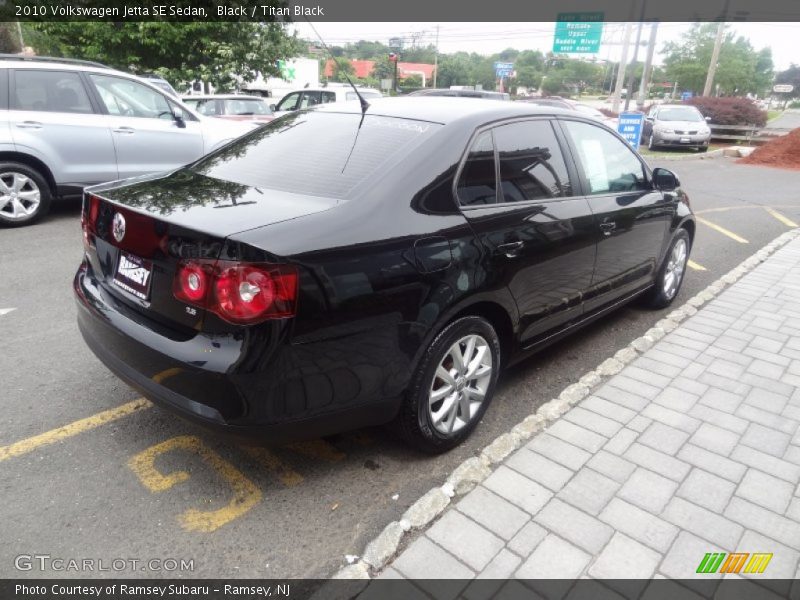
{"type": "Point", "coordinates": [24, 195]}
{"type": "Point", "coordinates": [670, 276]}
{"type": "Point", "coordinates": [452, 386]}
{"type": "Point", "coordinates": [651, 145]}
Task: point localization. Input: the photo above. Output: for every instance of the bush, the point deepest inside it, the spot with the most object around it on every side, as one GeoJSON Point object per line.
{"type": "Point", "coordinates": [730, 111]}
{"type": "Point", "coordinates": [794, 104]}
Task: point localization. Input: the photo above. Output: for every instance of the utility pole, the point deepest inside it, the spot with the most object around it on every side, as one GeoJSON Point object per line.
{"type": "Point", "coordinates": [635, 56]}
{"type": "Point", "coordinates": [436, 58]}
{"type": "Point", "coordinates": [648, 66]}
{"type": "Point", "coordinates": [712, 68]}
{"type": "Point", "coordinates": [623, 62]}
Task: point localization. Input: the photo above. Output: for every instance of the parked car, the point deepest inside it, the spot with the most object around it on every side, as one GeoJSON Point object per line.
{"type": "Point", "coordinates": [462, 93]}
{"type": "Point", "coordinates": [333, 270]}
{"type": "Point", "coordinates": [233, 107]}
{"type": "Point", "coordinates": [567, 104]}
{"type": "Point", "coordinates": [160, 83]}
{"type": "Point", "coordinates": [66, 124]}
{"type": "Point", "coordinates": [309, 97]}
{"type": "Point", "coordinates": [676, 125]}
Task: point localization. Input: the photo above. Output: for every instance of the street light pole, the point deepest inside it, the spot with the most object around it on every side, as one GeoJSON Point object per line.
{"type": "Point", "coordinates": [712, 68]}
{"type": "Point", "coordinates": [436, 58]}
{"type": "Point", "coordinates": [623, 61]}
{"type": "Point", "coordinates": [648, 66]}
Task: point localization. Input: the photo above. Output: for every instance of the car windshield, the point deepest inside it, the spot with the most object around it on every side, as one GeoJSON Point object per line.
{"type": "Point", "coordinates": [680, 114]}
{"type": "Point", "coordinates": [247, 106]}
{"type": "Point", "coordinates": [316, 153]}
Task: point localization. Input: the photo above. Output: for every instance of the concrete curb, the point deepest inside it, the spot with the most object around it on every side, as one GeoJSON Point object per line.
{"type": "Point", "coordinates": [474, 470]}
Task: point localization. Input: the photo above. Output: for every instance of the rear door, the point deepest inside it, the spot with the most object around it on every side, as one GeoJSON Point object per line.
{"type": "Point", "coordinates": [52, 116]}
{"type": "Point", "coordinates": [631, 217]}
{"type": "Point", "coordinates": [517, 191]}
{"type": "Point", "coordinates": [146, 137]}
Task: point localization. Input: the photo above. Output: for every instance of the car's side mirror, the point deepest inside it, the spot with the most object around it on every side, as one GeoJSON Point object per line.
{"type": "Point", "coordinates": [665, 180]}
{"type": "Point", "coordinates": [708, 119]}
{"type": "Point", "coordinates": [649, 118]}
{"type": "Point", "coordinates": [177, 115]}
{"type": "Point", "coordinates": [272, 107]}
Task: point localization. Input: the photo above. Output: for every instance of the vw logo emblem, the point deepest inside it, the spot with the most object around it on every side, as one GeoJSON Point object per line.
{"type": "Point", "coordinates": [118, 227]}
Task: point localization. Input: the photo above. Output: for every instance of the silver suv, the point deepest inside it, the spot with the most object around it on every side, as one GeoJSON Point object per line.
{"type": "Point", "coordinates": [67, 124]}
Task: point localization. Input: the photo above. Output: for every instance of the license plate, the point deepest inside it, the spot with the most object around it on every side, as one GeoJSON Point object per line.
{"type": "Point", "coordinates": [685, 140]}
{"type": "Point", "coordinates": [133, 275]}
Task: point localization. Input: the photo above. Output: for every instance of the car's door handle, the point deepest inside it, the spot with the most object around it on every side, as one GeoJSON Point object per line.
{"type": "Point", "coordinates": [29, 125]}
{"type": "Point", "coordinates": [510, 249]}
{"type": "Point", "coordinates": [125, 130]}
{"type": "Point", "coordinates": [608, 227]}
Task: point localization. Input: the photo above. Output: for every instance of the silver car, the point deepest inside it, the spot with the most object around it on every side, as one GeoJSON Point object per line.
{"type": "Point", "coordinates": [676, 125]}
{"type": "Point", "coordinates": [67, 124]}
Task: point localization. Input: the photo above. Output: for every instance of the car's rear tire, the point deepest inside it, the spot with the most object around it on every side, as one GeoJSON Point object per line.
{"type": "Point", "coordinates": [670, 276]}
{"type": "Point", "coordinates": [452, 386]}
{"type": "Point", "coordinates": [24, 195]}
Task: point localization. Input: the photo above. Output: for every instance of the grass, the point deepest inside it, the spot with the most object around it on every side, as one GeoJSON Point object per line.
{"type": "Point", "coordinates": [677, 153]}
{"type": "Point", "coordinates": [773, 114]}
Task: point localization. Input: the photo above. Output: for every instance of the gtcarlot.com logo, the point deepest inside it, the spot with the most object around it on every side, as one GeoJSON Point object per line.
{"type": "Point", "coordinates": [46, 562]}
{"type": "Point", "coordinates": [744, 562]}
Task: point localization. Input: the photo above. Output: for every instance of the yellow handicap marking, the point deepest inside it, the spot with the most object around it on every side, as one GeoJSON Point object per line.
{"type": "Point", "coordinates": [783, 219]}
{"type": "Point", "coordinates": [722, 230]}
{"type": "Point", "coordinates": [71, 429]}
{"type": "Point", "coordinates": [286, 475]}
{"type": "Point", "coordinates": [697, 267]}
{"type": "Point", "coordinates": [245, 494]}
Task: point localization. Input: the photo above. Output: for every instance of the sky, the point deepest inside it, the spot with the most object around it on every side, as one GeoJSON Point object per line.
{"type": "Point", "coordinates": [489, 38]}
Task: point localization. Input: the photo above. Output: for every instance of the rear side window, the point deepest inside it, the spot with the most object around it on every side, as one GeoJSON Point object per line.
{"type": "Point", "coordinates": [531, 164]}
{"type": "Point", "coordinates": [50, 91]}
{"type": "Point", "coordinates": [477, 185]}
{"type": "Point", "coordinates": [316, 153]}
{"type": "Point", "coordinates": [609, 165]}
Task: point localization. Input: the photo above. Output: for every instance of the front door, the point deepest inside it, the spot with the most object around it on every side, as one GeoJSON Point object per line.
{"type": "Point", "coordinates": [631, 217]}
{"type": "Point", "coordinates": [537, 233]}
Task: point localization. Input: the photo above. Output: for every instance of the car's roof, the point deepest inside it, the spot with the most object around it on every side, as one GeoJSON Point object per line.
{"type": "Point", "coordinates": [446, 109]}
{"type": "Point", "coordinates": [40, 63]}
{"type": "Point", "coordinates": [222, 97]}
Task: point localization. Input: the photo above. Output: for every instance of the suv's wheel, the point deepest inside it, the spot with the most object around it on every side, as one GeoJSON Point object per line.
{"type": "Point", "coordinates": [24, 194]}
{"type": "Point", "coordinates": [452, 387]}
{"type": "Point", "coordinates": [670, 277]}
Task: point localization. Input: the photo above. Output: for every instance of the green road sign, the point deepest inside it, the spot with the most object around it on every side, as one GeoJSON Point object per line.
{"type": "Point", "coordinates": [578, 33]}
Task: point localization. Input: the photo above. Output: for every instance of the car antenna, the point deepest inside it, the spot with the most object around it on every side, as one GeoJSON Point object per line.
{"type": "Point", "coordinates": [364, 103]}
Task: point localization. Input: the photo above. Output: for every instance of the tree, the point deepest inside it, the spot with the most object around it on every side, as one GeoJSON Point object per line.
{"type": "Point", "coordinates": [792, 77]}
{"type": "Point", "coordinates": [740, 69]}
{"type": "Point", "coordinates": [342, 69]}
{"type": "Point", "coordinates": [10, 42]}
{"type": "Point", "coordinates": [221, 53]}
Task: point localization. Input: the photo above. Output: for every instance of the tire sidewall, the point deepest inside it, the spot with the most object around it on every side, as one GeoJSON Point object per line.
{"type": "Point", "coordinates": [660, 298]}
{"type": "Point", "coordinates": [44, 193]}
{"type": "Point", "coordinates": [421, 389]}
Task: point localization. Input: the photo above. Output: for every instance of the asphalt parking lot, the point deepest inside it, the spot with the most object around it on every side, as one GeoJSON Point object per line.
{"type": "Point", "coordinates": [89, 470]}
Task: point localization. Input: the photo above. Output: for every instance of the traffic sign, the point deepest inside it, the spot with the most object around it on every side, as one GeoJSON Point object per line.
{"type": "Point", "coordinates": [578, 33]}
{"type": "Point", "coordinates": [784, 88]}
{"type": "Point", "coordinates": [686, 95]}
{"type": "Point", "coordinates": [629, 126]}
{"type": "Point", "coordinates": [503, 69]}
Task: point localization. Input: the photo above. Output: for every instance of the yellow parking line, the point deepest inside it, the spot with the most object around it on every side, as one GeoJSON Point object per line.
{"type": "Point", "coordinates": [56, 435]}
{"type": "Point", "coordinates": [722, 230]}
{"type": "Point", "coordinates": [695, 266]}
{"type": "Point", "coordinates": [785, 220]}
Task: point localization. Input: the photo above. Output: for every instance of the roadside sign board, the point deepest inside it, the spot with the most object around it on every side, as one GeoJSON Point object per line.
{"type": "Point", "coordinates": [578, 33]}
{"type": "Point", "coordinates": [503, 69]}
{"type": "Point", "coordinates": [784, 88]}
{"type": "Point", "coordinates": [630, 127]}
{"type": "Point", "coordinates": [686, 95]}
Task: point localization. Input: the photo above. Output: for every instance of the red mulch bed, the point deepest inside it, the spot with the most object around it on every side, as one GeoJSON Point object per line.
{"type": "Point", "coordinates": [783, 152]}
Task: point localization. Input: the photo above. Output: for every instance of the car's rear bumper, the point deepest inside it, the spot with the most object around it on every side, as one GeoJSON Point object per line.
{"type": "Point", "coordinates": [204, 378]}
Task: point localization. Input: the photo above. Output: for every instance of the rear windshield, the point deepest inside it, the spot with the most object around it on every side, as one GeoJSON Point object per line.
{"type": "Point", "coordinates": [315, 153]}
{"type": "Point", "coordinates": [246, 106]}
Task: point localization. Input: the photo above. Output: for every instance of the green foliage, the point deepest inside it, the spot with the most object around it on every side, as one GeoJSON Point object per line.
{"type": "Point", "coordinates": [342, 68]}
{"type": "Point", "coordinates": [740, 69]}
{"type": "Point", "coordinates": [730, 111]}
{"type": "Point", "coordinates": [221, 53]}
{"type": "Point", "coordinates": [792, 77]}
{"type": "Point", "coordinates": [9, 38]}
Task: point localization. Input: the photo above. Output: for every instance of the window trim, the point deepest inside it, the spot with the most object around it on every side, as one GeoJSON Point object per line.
{"type": "Point", "coordinates": [579, 167]}
{"type": "Point", "coordinates": [88, 90]}
{"type": "Point", "coordinates": [566, 152]}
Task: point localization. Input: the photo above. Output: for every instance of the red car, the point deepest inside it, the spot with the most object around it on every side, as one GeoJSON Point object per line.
{"type": "Point", "coordinates": [235, 107]}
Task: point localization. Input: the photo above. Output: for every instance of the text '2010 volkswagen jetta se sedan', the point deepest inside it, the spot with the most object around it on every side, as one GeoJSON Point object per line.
{"type": "Point", "coordinates": [336, 269]}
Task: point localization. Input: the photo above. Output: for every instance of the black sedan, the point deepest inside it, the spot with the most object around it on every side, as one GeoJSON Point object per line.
{"type": "Point", "coordinates": [332, 269]}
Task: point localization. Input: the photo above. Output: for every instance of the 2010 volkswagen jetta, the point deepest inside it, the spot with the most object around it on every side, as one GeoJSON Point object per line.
{"type": "Point", "coordinates": [339, 268]}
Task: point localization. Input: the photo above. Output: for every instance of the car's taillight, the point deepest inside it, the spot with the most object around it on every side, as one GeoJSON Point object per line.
{"type": "Point", "coordinates": [240, 293]}
{"type": "Point", "coordinates": [89, 219]}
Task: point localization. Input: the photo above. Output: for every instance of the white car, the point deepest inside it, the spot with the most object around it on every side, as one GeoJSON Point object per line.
{"type": "Point", "coordinates": [308, 97]}
{"type": "Point", "coordinates": [69, 124]}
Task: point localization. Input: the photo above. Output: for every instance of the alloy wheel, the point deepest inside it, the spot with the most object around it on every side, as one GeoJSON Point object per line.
{"type": "Point", "coordinates": [460, 383]}
{"type": "Point", "coordinates": [676, 265]}
{"type": "Point", "coordinates": [19, 196]}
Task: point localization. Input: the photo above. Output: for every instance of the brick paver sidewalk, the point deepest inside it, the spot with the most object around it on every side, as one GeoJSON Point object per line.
{"type": "Point", "coordinates": [693, 448]}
